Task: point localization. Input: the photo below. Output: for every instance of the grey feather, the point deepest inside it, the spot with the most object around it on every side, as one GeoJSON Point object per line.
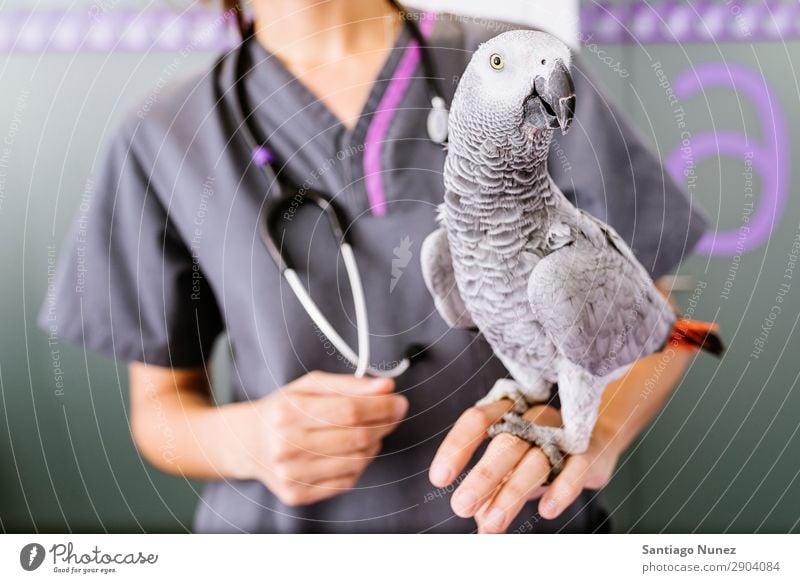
{"type": "Point", "coordinates": [437, 271]}
{"type": "Point", "coordinates": [597, 304]}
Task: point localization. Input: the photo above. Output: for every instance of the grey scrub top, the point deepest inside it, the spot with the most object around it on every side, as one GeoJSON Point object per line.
{"type": "Point", "coordinates": [165, 256]}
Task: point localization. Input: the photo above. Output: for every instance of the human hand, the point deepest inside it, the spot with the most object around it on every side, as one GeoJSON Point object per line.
{"type": "Point", "coordinates": [511, 472]}
{"type": "Point", "coordinates": [316, 436]}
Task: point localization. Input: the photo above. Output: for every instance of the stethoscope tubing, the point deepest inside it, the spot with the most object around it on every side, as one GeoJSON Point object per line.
{"type": "Point", "coordinates": [272, 205]}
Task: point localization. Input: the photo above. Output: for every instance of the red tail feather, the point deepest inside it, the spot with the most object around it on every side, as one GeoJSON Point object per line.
{"type": "Point", "coordinates": [693, 335]}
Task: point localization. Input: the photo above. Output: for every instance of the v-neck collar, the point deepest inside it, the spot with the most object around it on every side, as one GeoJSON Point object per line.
{"type": "Point", "coordinates": [290, 113]}
{"type": "Point", "coordinates": [273, 76]}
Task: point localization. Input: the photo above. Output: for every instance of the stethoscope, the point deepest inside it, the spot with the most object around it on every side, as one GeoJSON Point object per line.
{"type": "Point", "coordinates": [278, 197]}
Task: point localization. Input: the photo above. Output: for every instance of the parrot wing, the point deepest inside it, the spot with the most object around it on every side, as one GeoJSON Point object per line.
{"type": "Point", "coordinates": [597, 303]}
{"type": "Point", "coordinates": [437, 271]}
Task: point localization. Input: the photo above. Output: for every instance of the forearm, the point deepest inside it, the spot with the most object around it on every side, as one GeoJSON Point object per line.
{"type": "Point", "coordinates": [183, 433]}
{"type": "Point", "coordinates": [631, 402]}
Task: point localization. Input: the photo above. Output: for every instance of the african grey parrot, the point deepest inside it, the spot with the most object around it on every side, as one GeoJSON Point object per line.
{"type": "Point", "coordinates": [557, 293]}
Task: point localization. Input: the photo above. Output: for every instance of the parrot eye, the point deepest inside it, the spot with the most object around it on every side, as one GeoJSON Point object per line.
{"type": "Point", "coordinates": [497, 62]}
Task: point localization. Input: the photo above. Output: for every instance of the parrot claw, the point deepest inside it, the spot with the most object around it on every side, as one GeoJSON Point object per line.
{"type": "Point", "coordinates": [506, 389]}
{"type": "Point", "coordinates": [541, 436]}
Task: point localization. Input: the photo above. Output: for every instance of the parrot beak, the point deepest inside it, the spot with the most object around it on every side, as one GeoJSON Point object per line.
{"type": "Point", "coordinates": [552, 103]}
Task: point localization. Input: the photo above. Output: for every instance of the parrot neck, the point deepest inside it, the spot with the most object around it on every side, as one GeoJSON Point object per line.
{"type": "Point", "coordinates": [509, 187]}
{"type": "Point", "coordinates": [501, 164]}
{"type": "Point", "coordinates": [486, 176]}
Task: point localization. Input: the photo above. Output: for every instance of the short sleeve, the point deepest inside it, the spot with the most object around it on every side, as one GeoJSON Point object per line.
{"type": "Point", "coordinates": [125, 284]}
{"type": "Point", "coordinates": [607, 168]}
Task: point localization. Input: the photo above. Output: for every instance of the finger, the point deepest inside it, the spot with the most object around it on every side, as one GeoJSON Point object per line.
{"type": "Point", "coordinates": [480, 515]}
{"type": "Point", "coordinates": [327, 442]}
{"type": "Point", "coordinates": [503, 454]}
{"type": "Point", "coordinates": [320, 491]}
{"type": "Point", "coordinates": [326, 411]}
{"type": "Point", "coordinates": [566, 488]}
{"type": "Point", "coordinates": [524, 481]}
{"type": "Point", "coordinates": [335, 487]}
{"type": "Point", "coordinates": [462, 441]}
{"type": "Point", "coordinates": [340, 384]}
{"type": "Point", "coordinates": [306, 472]}
{"type": "Point", "coordinates": [538, 492]}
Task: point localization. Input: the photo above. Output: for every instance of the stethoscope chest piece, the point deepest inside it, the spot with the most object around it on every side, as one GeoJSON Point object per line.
{"type": "Point", "coordinates": [438, 121]}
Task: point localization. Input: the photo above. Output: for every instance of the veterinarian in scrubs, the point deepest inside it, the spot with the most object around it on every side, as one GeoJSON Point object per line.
{"type": "Point", "coordinates": [166, 257]}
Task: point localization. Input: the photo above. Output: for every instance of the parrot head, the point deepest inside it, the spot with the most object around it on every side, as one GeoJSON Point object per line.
{"type": "Point", "coordinates": [515, 92]}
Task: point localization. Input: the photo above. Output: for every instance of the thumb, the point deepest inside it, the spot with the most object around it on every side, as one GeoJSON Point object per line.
{"type": "Point", "coordinates": [317, 382]}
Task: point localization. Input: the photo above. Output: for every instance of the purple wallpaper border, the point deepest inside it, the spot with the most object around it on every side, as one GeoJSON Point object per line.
{"type": "Point", "coordinates": [95, 31]}
{"type": "Point", "coordinates": [691, 22]}
{"type": "Point", "coordinates": [161, 30]}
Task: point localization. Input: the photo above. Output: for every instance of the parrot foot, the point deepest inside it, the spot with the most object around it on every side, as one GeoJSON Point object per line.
{"type": "Point", "coordinates": [544, 437]}
{"type": "Point", "coordinates": [506, 389]}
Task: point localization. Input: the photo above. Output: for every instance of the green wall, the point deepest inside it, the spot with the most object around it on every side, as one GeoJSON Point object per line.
{"type": "Point", "coordinates": [67, 462]}
{"type": "Point", "coordinates": [723, 455]}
